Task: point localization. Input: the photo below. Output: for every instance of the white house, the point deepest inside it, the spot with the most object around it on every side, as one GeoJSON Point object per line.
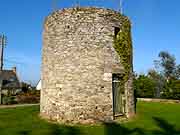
{"type": "Point", "coordinates": [38, 87]}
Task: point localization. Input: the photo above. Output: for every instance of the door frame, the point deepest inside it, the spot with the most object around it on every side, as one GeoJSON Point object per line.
{"type": "Point", "coordinates": [113, 95]}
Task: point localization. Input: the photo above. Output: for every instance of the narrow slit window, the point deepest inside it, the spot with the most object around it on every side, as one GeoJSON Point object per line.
{"type": "Point", "coordinates": [116, 31]}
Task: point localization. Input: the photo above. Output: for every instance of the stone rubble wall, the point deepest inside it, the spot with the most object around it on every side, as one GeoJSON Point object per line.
{"type": "Point", "coordinates": [77, 65]}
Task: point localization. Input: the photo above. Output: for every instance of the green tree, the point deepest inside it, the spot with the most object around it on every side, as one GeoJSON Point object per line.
{"type": "Point", "coordinates": [177, 72]}
{"type": "Point", "coordinates": [171, 74]}
{"type": "Point", "coordinates": [159, 81]}
{"type": "Point", "coordinates": [172, 90]}
{"type": "Point", "coordinates": [176, 89]}
{"type": "Point", "coordinates": [144, 86]}
{"type": "Point", "coordinates": [166, 64]}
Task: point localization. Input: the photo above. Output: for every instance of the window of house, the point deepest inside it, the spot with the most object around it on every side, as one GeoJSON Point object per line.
{"type": "Point", "coordinates": [12, 79]}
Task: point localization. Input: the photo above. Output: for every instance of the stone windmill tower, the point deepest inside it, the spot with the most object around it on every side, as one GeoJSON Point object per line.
{"type": "Point", "coordinates": [87, 66]}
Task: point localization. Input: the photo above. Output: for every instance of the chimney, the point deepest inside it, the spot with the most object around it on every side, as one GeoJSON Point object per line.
{"type": "Point", "coordinates": [14, 69]}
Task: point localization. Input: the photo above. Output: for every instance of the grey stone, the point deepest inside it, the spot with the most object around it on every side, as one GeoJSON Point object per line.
{"type": "Point", "coordinates": [77, 66]}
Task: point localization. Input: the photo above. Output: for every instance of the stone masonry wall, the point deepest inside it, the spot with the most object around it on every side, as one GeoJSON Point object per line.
{"type": "Point", "coordinates": [77, 65]}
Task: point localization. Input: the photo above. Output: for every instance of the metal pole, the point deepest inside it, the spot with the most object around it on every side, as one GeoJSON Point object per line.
{"type": "Point", "coordinates": [2, 44]}
{"type": "Point", "coordinates": [0, 91]}
{"type": "Point", "coordinates": [54, 5]}
{"type": "Point", "coordinates": [77, 3]}
{"type": "Point", "coordinates": [2, 53]}
{"type": "Point", "coordinates": [121, 6]}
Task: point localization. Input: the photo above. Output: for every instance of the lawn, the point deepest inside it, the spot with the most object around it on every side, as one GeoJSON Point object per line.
{"type": "Point", "coordinates": [151, 119]}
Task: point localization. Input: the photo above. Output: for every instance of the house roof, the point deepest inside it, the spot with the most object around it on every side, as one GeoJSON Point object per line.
{"type": "Point", "coordinates": [9, 79]}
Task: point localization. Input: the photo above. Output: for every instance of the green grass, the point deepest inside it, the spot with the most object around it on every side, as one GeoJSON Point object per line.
{"type": "Point", "coordinates": [151, 119]}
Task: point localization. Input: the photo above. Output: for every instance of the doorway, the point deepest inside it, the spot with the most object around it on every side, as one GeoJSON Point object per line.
{"type": "Point", "coordinates": [118, 95]}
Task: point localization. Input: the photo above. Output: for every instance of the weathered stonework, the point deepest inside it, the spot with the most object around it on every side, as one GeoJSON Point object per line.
{"type": "Point", "coordinates": [77, 66]}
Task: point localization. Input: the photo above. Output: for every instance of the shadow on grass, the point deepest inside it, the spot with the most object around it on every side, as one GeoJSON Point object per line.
{"type": "Point", "coordinates": [55, 130]}
{"type": "Point", "coordinates": [64, 130]}
{"type": "Point", "coordinates": [117, 129]}
{"type": "Point", "coordinates": [25, 132]}
{"type": "Point", "coordinates": [166, 128]}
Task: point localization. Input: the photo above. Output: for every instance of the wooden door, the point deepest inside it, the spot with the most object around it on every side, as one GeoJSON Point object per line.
{"type": "Point", "coordinates": [118, 95]}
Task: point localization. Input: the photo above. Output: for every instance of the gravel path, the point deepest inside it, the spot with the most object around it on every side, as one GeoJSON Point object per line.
{"type": "Point", "coordinates": [16, 105]}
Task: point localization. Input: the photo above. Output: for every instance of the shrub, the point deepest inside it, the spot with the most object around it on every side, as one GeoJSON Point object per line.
{"type": "Point", "coordinates": [29, 97]}
{"type": "Point", "coordinates": [9, 100]}
{"type": "Point", "coordinates": [171, 90]}
{"type": "Point", "coordinates": [144, 87]}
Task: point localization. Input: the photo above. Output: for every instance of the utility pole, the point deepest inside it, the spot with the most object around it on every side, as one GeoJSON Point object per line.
{"type": "Point", "coordinates": [3, 40]}
{"type": "Point", "coordinates": [0, 90]}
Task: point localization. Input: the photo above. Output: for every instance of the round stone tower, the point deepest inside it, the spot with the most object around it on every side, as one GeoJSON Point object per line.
{"type": "Point", "coordinates": [83, 72]}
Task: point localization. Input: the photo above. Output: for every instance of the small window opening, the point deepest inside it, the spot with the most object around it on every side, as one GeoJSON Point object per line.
{"type": "Point", "coordinates": [116, 31]}
{"type": "Point", "coordinates": [117, 77]}
{"type": "Point", "coordinates": [102, 87]}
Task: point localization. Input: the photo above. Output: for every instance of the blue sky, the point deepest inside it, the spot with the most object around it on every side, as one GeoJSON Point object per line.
{"type": "Point", "coordinates": [156, 27]}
